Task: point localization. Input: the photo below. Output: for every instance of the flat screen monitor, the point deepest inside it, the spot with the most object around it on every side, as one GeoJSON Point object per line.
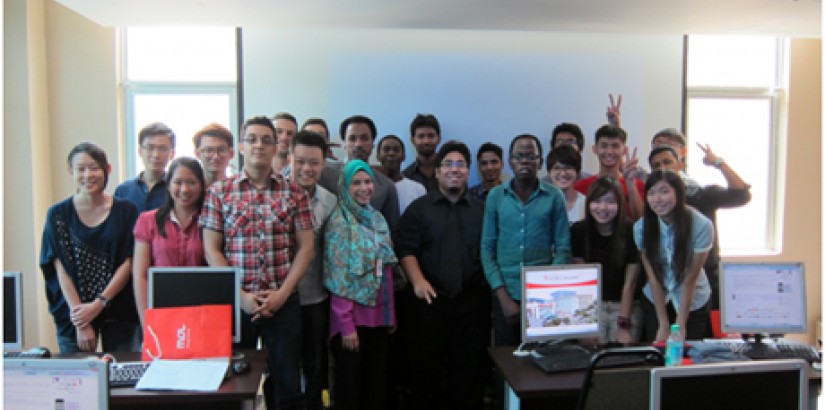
{"type": "Point", "coordinates": [55, 384]}
{"type": "Point", "coordinates": [12, 311]}
{"type": "Point", "coordinates": [763, 298]}
{"type": "Point", "coordinates": [770, 384]}
{"type": "Point", "coordinates": [194, 286]}
{"type": "Point", "coordinates": [560, 302]}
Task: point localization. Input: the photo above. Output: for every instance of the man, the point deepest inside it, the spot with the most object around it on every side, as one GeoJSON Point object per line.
{"type": "Point", "coordinates": [437, 243]}
{"type": "Point", "coordinates": [391, 155]}
{"type": "Point", "coordinates": [214, 148]}
{"type": "Point", "coordinates": [319, 126]}
{"type": "Point", "coordinates": [359, 133]}
{"type": "Point", "coordinates": [285, 128]}
{"type": "Point", "coordinates": [615, 162]}
{"type": "Point", "coordinates": [707, 200]}
{"type": "Point", "coordinates": [260, 222]}
{"type": "Point", "coordinates": [490, 164]}
{"type": "Point", "coordinates": [425, 134]}
{"type": "Point", "coordinates": [569, 134]}
{"type": "Point", "coordinates": [148, 190]}
{"type": "Point", "coordinates": [307, 160]}
{"type": "Point", "coordinates": [525, 224]}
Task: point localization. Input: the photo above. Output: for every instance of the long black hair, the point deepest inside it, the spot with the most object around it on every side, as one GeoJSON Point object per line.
{"type": "Point", "coordinates": [620, 224]}
{"type": "Point", "coordinates": [98, 155]}
{"type": "Point", "coordinates": [163, 212]}
{"type": "Point", "coordinates": [682, 223]}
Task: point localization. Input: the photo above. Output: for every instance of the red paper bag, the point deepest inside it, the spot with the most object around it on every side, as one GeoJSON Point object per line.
{"type": "Point", "coordinates": [187, 332]}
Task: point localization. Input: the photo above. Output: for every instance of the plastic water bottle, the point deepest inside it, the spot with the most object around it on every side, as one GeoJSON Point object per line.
{"type": "Point", "coordinates": [675, 346]}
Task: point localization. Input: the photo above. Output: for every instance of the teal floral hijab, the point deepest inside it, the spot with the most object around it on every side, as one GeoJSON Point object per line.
{"type": "Point", "coordinates": [356, 239]}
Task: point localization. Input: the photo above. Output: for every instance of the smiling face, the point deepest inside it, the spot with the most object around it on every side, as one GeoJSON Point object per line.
{"type": "Point", "coordinates": [609, 150]}
{"type": "Point", "coordinates": [452, 174]}
{"type": "Point", "coordinates": [87, 174]}
{"type": "Point", "coordinates": [662, 199]}
{"type": "Point", "coordinates": [214, 154]}
{"type": "Point", "coordinates": [563, 176]}
{"type": "Point", "coordinates": [604, 208]}
{"type": "Point", "coordinates": [525, 159]}
{"type": "Point", "coordinates": [184, 188]}
{"type": "Point", "coordinates": [307, 164]}
{"type": "Point", "coordinates": [665, 161]}
{"type": "Point", "coordinates": [490, 165]}
{"type": "Point", "coordinates": [284, 132]}
{"type": "Point", "coordinates": [258, 146]}
{"type": "Point", "coordinates": [391, 154]}
{"type": "Point", "coordinates": [361, 188]}
{"type": "Point", "coordinates": [358, 141]}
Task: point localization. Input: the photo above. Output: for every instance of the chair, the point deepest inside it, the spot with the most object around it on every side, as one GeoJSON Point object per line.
{"type": "Point", "coordinates": [627, 387]}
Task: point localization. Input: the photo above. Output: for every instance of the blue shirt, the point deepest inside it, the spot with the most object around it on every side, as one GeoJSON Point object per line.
{"type": "Point", "coordinates": [517, 234]}
{"type": "Point", "coordinates": [136, 192]}
{"type": "Point", "coordinates": [701, 240]}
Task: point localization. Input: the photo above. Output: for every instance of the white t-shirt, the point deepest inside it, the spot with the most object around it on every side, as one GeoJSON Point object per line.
{"type": "Point", "coordinates": [576, 213]}
{"type": "Point", "coordinates": [408, 191]}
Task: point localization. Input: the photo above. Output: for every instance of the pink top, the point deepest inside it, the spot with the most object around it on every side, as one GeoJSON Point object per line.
{"type": "Point", "coordinates": [347, 314]}
{"type": "Point", "coordinates": [179, 248]}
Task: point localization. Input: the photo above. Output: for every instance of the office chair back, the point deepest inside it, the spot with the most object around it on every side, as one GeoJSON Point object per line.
{"type": "Point", "coordinates": [627, 388]}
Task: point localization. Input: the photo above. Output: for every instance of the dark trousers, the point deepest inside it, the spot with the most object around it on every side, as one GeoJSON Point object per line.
{"type": "Point", "coordinates": [449, 365]}
{"type": "Point", "coordinates": [281, 336]}
{"type": "Point", "coordinates": [697, 321]}
{"type": "Point", "coordinates": [360, 377]}
{"type": "Point", "coordinates": [506, 333]}
{"type": "Point", "coordinates": [315, 333]}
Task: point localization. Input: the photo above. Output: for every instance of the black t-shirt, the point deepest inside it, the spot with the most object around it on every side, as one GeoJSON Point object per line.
{"type": "Point", "coordinates": [613, 269]}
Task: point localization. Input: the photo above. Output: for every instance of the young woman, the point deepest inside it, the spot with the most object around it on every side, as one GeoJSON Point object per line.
{"type": "Point", "coordinates": [674, 240]}
{"type": "Point", "coordinates": [169, 235]}
{"type": "Point", "coordinates": [564, 164]}
{"type": "Point", "coordinates": [86, 258]}
{"type": "Point", "coordinates": [605, 236]}
{"type": "Point", "coordinates": [358, 263]}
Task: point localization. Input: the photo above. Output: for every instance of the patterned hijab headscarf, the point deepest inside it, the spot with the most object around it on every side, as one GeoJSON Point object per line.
{"type": "Point", "coordinates": [357, 244]}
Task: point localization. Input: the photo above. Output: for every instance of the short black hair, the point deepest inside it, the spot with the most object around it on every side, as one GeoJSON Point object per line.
{"type": "Point", "coordinates": [490, 147]}
{"type": "Point", "coordinates": [566, 155]}
{"type": "Point", "coordinates": [611, 131]}
{"type": "Point", "coordinates": [571, 128]}
{"type": "Point", "coordinates": [316, 121]}
{"type": "Point", "coordinates": [391, 137]}
{"type": "Point", "coordinates": [285, 116]}
{"type": "Point", "coordinates": [309, 139]}
{"type": "Point", "coordinates": [357, 119]}
{"type": "Point", "coordinates": [522, 136]}
{"type": "Point", "coordinates": [257, 120]}
{"type": "Point", "coordinates": [425, 120]}
{"type": "Point", "coordinates": [453, 146]}
{"type": "Point", "coordinates": [155, 129]}
{"type": "Point", "coordinates": [660, 149]}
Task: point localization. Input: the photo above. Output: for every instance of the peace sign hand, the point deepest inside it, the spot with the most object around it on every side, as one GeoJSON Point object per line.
{"type": "Point", "coordinates": [630, 165]}
{"type": "Point", "coordinates": [710, 158]}
{"type": "Point", "coordinates": [614, 111]}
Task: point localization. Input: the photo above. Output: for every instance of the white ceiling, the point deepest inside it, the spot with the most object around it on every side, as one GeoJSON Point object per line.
{"type": "Point", "coordinates": [779, 17]}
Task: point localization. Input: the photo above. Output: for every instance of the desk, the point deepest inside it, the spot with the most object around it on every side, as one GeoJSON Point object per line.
{"type": "Point", "coordinates": [236, 392]}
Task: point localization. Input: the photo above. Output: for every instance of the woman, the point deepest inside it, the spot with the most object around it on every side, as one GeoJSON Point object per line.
{"type": "Point", "coordinates": [358, 263]}
{"type": "Point", "coordinates": [605, 236]}
{"type": "Point", "coordinates": [169, 235]}
{"type": "Point", "coordinates": [674, 241]}
{"type": "Point", "coordinates": [86, 258]}
{"type": "Point", "coordinates": [564, 164]}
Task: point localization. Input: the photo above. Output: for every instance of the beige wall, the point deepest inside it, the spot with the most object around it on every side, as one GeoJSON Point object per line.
{"type": "Point", "coordinates": [61, 88]}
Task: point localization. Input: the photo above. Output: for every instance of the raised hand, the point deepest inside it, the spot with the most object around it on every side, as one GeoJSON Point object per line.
{"type": "Point", "coordinates": [614, 111]}
{"type": "Point", "coordinates": [630, 165]}
{"type": "Point", "coordinates": [710, 157]}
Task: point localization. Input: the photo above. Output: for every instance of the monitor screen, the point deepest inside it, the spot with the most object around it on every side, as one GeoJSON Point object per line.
{"type": "Point", "coordinates": [772, 384]}
{"type": "Point", "coordinates": [55, 384]}
{"type": "Point", "coordinates": [12, 311]}
{"type": "Point", "coordinates": [560, 302]}
{"type": "Point", "coordinates": [193, 286]}
{"type": "Point", "coordinates": [763, 297]}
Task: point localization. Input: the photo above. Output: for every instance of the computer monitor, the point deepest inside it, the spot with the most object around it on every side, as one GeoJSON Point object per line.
{"type": "Point", "coordinates": [55, 384]}
{"type": "Point", "coordinates": [762, 297]}
{"type": "Point", "coordinates": [560, 302]}
{"type": "Point", "coordinates": [193, 286]}
{"type": "Point", "coordinates": [772, 384]}
{"type": "Point", "coordinates": [12, 311]}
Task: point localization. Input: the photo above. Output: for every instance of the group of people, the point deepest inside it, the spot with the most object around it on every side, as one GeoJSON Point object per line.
{"type": "Point", "coordinates": [395, 272]}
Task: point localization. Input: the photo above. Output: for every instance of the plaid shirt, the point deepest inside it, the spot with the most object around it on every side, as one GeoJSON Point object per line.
{"type": "Point", "coordinates": [258, 226]}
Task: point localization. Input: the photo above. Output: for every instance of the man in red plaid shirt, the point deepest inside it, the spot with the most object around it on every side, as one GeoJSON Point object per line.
{"type": "Point", "coordinates": [259, 221]}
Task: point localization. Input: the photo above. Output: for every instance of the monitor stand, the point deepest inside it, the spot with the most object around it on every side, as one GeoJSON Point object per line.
{"type": "Point", "coordinates": [757, 344]}
{"type": "Point", "coordinates": [560, 347]}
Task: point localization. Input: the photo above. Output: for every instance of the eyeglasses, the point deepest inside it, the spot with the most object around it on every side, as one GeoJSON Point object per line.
{"type": "Point", "coordinates": [567, 142]}
{"type": "Point", "coordinates": [161, 149]}
{"type": "Point", "coordinates": [252, 139]}
{"type": "Point", "coordinates": [210, 151]}
{"type": "Point", "coordinates": [525, 157]}
{"type": "Point", "coordinates": [453, 164]}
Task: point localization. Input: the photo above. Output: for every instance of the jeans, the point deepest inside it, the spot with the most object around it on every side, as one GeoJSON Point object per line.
{"type": "Point", "coordinates": [315, 330]}
{"type": "Point", "coordinates": [115, 335]}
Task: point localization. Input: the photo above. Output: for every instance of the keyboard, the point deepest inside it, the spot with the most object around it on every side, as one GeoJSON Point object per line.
{"type": "Point", "coordinates": [34, 353]}
{"type": "Point", "coordinates": [567, 359]}
{"type": "Point", "coordinates": [768, 351]}
{"type": "Point", "coordinates": [126, 374]}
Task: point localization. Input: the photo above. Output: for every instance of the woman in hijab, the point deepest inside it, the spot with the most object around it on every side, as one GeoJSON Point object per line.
{"type": "Point", "coordinates": [358, 261]}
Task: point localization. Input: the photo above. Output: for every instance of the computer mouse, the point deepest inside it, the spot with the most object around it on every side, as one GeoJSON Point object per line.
{"type": "Point", "coordinates": [240, 367]}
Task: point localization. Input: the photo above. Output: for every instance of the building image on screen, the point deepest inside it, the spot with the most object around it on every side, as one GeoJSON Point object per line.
{"type": "Point", "coordinates": [560, 302]}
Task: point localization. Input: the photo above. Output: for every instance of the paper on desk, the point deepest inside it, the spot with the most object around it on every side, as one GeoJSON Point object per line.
{"type": "Point", "coordinates": [190, 375]}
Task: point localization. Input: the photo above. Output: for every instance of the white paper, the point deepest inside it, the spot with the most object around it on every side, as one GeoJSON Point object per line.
{"type": "Point", "coordinates": [188, 375]}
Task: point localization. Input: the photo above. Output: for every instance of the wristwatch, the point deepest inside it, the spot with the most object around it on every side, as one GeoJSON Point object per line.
{"type": "Point", "coordinates": [718, 162]}
{"type": "Point", "coordinates": [103, 299]}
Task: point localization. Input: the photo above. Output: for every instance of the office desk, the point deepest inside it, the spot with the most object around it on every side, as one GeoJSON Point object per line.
{"type": "Point", "coordinates": [236, 392]}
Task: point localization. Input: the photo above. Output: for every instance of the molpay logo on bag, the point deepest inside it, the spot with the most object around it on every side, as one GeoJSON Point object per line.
{"type": "Point", "coordinates": [184, 337]}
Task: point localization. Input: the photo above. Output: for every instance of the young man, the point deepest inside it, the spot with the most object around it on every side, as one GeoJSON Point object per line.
{"type": "Point", "coordinates": [307, 160]}
{"type": "Point", "coordinates": [571, 135]}
{"type": "Point", "coordinates": [490, 164]}
{"type": "Point", "coordinates": [615, 162]}
{"type": "Point", "coordinates": [148, 190]}
{"type": "Point", "coordinates": [707, 200]}
{"type": "Point", "coordinates": [391, 155]}
{"type": "Point", "coordinates": [285, 128]}
{"type": "Point", "coordinates": [525, 224]}
{"type": "Point", "coordinates": [262, 223]}
{"type": "Point", "coordinates": [214, 148]}
{"type": "Point", "coordinates": [425, 134]}
{"type": "Point", "coordinates": [437, 243]}
{"type": "Point", "coordinates": [319, 126]}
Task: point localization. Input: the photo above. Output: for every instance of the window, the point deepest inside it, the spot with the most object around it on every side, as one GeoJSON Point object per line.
{"type": "Point", "coordinates": [735, 102]}
{"type": "Point", "coordinates": [183, 77]}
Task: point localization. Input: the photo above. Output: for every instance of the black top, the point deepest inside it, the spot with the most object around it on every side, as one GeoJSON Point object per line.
{"type": "Point", "coordinates": [446, 240]}
{"type": "Point", "coordinates": [613, 269]}
{"type": "Point", "coordinates": [709, 199]}
{"type": "Point", "coordinates": [412, 172]}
